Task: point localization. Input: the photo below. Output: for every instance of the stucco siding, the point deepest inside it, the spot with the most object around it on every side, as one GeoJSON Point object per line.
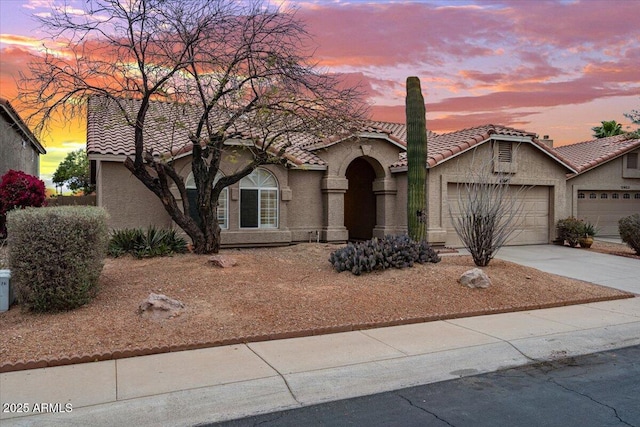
{"type": "Point", "coordinates": [400, 210]}
{"type": "Point", "coordinates": [16, 152]}
{"type": "Point", "coordinates": [128, 202]}
{"type": "Point", "coordinates": [380, 154]}
{"type": "Point", "coordinates": [607, 176]}
{"type": "Point", "coordinates": [603, 181]}
{"type": "Point", "coordinates": [533, 168]}
{"type": "Point", "coordinates": [305, 207]}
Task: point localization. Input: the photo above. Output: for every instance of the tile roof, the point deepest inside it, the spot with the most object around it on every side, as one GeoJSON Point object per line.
{"type": "Point", "coordinates": [109, 133]}
{"type": "Point", "coordinates": [14, 117]}
{"type": "Point", "coordinates": [442, 147]}
{"type": "Point", "coordinates": [589, 154]}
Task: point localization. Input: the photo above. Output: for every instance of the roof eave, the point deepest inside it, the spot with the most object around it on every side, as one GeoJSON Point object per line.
{"type": "Point", "coordinates": [580, 171]}
{"type": "Point", "coordinates": [24, 129]}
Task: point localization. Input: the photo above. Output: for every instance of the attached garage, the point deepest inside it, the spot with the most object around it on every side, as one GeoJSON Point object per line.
{"type": "Point", "coordinates": [604, 208]}
{"type": "Point", "coordinates": [532, 225]}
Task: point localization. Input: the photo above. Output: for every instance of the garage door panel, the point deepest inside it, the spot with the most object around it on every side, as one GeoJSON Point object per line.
{"type": "Point", "coordinates": [532, 225]}
{"type": "Point", "coordinates": [605, 209]}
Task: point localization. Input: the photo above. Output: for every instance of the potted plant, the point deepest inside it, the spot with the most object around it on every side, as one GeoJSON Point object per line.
{"type": "Point", "coordinates": [589, 232]}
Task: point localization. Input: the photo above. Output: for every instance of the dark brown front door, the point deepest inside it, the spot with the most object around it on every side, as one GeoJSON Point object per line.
{"type": "Point", "coordinates": [359, 200]}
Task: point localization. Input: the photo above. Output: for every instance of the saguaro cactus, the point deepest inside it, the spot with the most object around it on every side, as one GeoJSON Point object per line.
{"type": "Point", "coordinates": [416, 160]}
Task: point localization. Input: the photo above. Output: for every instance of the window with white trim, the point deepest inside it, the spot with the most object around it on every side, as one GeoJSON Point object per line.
{"type": "Point", "coordinates": [592, 195]}
{"type": "Point", "coordinates": [259, 200]}
{"type": "Point", "coordinates": [580, 195]}
{"type": "Point", "coordinates": [626, 196]}
{"type": "Point", "coordinates": [615, 196]}
{"type": "Point", "coordinates": [223, 201]}
{"type": "Point", "coordinates": [604, 195]}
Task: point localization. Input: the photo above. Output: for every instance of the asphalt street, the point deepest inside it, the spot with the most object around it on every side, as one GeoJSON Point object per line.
{"type": "Point", "coordinates": [598, 390]}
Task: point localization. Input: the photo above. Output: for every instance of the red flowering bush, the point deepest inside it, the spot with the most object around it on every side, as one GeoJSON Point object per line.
{"type": "Point", "coordinates": [19, 190]}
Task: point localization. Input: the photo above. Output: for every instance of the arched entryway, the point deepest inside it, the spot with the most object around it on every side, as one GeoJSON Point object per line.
{"type": "Point", "coordinates": [359, 200]}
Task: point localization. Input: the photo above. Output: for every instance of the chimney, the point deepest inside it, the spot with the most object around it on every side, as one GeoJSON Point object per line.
{"type": "Point", "coordinates": [545, 140]}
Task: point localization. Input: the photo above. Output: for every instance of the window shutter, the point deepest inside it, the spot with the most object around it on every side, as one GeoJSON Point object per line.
{"type": "Point", "coordinates": [249, 208]}
{"type": "Point", "coordinates": [632, 161]}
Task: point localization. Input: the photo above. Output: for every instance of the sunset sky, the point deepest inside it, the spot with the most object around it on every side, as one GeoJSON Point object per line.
{"type": "Point", "coordinates": [556, 68]}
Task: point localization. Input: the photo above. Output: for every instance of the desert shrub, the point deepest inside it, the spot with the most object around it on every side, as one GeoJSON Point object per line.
{"type": "Point", "coordinates": [629, 229]}
{"type": "Point", "coordinates": [571, 229]}
{"type": "Point", "coordinates": [147, 243]}
{"type": "Point", "coordinates": [56, 255]}
{"type": "Point", "coordinates": [379, 254]}
{"type": "Point", "coordinates": [19, 190]}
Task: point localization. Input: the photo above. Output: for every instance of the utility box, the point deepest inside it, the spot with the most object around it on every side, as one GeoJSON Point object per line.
{"type": "Point", "coordinates": [6, 293]}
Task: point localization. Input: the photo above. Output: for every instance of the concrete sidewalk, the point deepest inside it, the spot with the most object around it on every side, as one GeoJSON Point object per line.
{"type": "Point", "coordinates": [191, 387]}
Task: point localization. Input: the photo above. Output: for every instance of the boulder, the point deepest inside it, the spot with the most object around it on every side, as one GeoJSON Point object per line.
{"type": "Point", "coordinates": [475, 278]}
{"type": "Point", "coordinates": [158, 306]}
{"type": "Point", "coordinates": [222, 261]}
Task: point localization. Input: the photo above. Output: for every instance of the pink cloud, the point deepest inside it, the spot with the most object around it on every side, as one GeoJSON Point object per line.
{"type": "Point", "coordinates": [586, 24]}
{"type": "Point", "coordinates": [397, 33]}
{"type": "Point", "coordinates": [452, 122]}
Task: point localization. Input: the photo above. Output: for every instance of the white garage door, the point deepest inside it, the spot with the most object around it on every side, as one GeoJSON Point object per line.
{"type": "Point", "coordinates": [605, 208]}
{"type": "Point", "coordinates": [532, 225]}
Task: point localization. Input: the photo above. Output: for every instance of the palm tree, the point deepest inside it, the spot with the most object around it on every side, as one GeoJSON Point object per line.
{"type": "Point", "coordinates": [608, 128]}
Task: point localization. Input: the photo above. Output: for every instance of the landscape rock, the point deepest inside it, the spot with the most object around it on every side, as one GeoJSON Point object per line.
{"type": "Point", "coordinates": [475, 278]}
{"type": "Point", "coordinates": [222, 261]}
{"type": "Point", "coordinates": [158, 306]}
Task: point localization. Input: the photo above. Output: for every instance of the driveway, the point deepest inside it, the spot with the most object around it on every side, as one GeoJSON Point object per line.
{"type": "Point", "coordinates": [607, 270]}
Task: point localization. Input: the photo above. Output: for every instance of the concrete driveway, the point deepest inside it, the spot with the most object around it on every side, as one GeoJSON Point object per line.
{"type": "Point", "coordinates": [607, 270]}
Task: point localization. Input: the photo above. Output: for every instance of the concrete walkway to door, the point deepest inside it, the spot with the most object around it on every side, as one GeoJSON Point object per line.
{"type": "Point", "coordinates": [607, 270]}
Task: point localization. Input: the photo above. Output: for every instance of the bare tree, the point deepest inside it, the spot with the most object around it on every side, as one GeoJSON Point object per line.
{"type": "Point", "coordinates": [229, 65]}
{"type": "Point", "coordinates": [489, 209]}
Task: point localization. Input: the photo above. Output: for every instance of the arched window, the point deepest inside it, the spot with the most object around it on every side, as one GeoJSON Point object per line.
{"type": "Point", "coordinates": [192, 194]}
{"type": "Point", "coordinates": [259, 200]}
{"type": "Point", "coordinates": [580, 195]}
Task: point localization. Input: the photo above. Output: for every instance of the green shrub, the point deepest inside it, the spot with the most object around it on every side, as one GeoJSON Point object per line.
{"type": "Point", "coordinates": [147, 243]}
{"type": "Point", "coordinates": [379, 254]}
{"type": "Point", "coordinates": [56, 255]}
{"type": "Point", "coordinates": [629, 228]}
{"type": "Point", "coordinates": [571, 229]}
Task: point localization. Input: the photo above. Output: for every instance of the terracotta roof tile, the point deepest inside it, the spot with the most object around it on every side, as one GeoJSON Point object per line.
{"type": "Point", "coordinates": [441, 147]}
{"type": "Point", "coordinates": [108, 132]}
{"type": "Point", "coordinates": [589, 154]}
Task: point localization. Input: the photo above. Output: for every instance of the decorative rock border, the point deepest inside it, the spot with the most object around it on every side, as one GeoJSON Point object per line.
{"type": "Point", "coordinates": [146, 351]}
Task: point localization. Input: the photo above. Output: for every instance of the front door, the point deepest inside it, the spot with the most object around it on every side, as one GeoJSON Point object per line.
{"type": "Point", "coordinates": [359, 200]}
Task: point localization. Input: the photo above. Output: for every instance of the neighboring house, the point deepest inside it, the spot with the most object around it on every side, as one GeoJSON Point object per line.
{"type": "Point", "coordinates": [606, 185]}
{"type": "Point", "coordinates": [331, 190]}
{"type": "Point", "coordinates": [19, 148]}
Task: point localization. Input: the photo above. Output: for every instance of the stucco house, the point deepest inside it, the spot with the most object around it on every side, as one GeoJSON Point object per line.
{"type": "Point", "coordinates": [19, 148]}
{"type": "Point", "coordinates": [606, 184]}
{"type": "Point", "coordinates": [335, 189]}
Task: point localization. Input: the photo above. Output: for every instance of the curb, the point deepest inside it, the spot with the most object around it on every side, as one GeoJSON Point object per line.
{"type": "Point", "coordinates": [22, 365]}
